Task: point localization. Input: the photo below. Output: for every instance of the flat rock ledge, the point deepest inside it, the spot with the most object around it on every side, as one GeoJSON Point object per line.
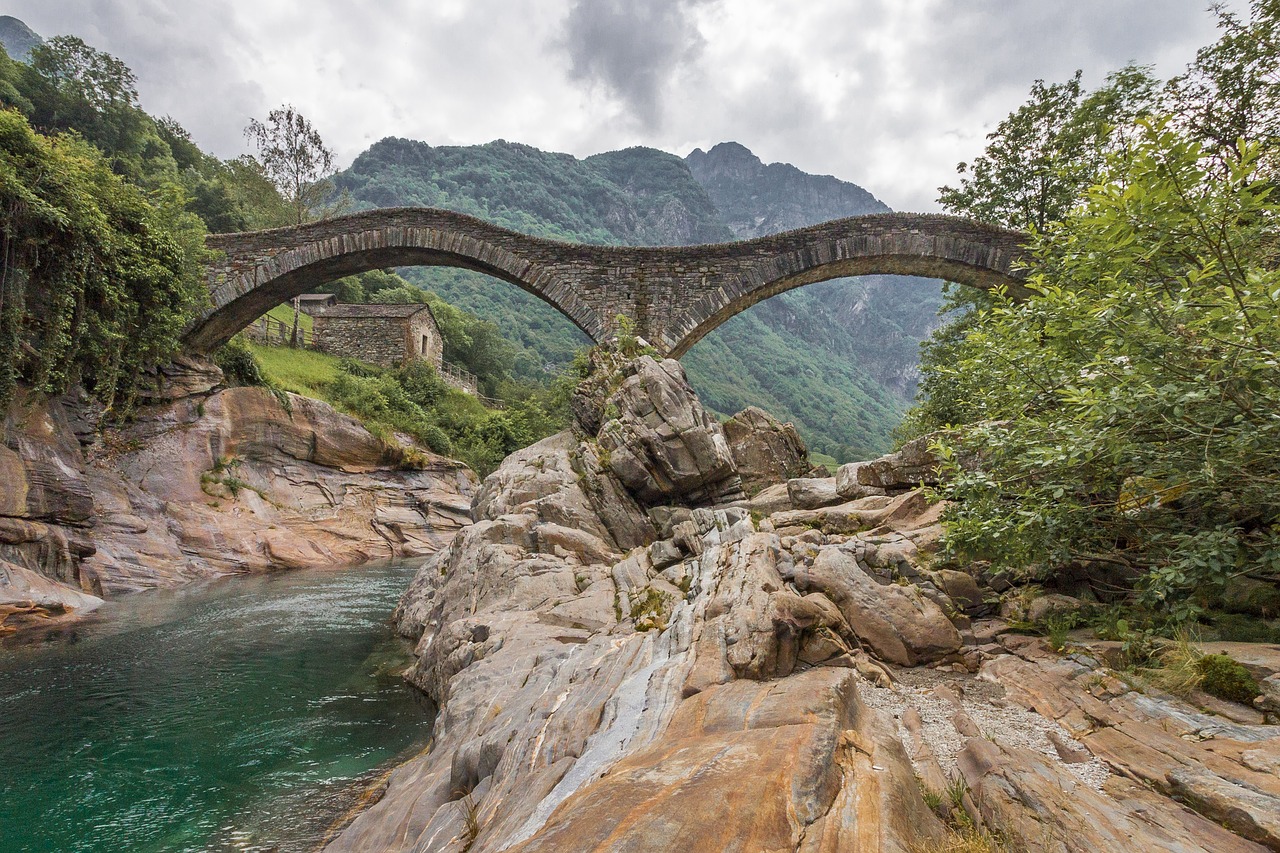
{"type": "Point", "coordinates": [632, 655]}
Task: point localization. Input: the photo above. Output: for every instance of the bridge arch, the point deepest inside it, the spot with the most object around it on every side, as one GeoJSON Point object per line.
{"type": "Point", "coordinates": [943, 247]}
{"type": "Point", "coordinates": [262, 269]}
{"type": "Point", "coordinates": [676, 295]}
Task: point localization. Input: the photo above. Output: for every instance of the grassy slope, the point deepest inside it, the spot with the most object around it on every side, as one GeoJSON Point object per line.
{"type": "Point", "coordinates": [284, 313]}
{"type": "Point", "coordinates": [305, 372]}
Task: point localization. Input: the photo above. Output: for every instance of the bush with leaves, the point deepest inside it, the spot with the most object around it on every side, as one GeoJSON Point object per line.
{"type": "Point", "coordinates": [1129, 412]}
{"type": "Point", "coordinates": [97, 278]}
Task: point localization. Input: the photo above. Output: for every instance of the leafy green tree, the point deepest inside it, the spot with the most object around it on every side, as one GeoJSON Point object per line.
{"type": "Point", "coordinates": [295, 158]}
{"type": "Point", "coordinates": [72, 86]}
{"type": "Point", "coordinates": [1131, 413]}
{"type": "Point", "coordinates": [97, 278]}
{"type": "Point", "coordinates": [1040, 159]}
{"type": "Point", "coordinates": [1232, 88]}
{"type": "Point", "coordinates": [11, 72]}
{"type": "Point", "coordinates": [1037, 166]}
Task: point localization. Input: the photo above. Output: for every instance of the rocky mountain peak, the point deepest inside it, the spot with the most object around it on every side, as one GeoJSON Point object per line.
{"type": "Point", "coordinates": [18, 39]}
{"type": "Point", "coordinates": [757, 199]}
{"type": "Point", "coordinates": [727, 160]}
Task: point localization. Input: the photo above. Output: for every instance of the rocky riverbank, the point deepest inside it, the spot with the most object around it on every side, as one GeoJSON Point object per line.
{"type": "Point", "coordinates": [212, 483]}
{"type": "Point", "coordinates": [630, 652]}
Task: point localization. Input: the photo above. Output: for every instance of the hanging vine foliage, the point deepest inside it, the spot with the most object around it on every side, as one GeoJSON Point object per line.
{"type": "Point", "coordinates": [97, 276]}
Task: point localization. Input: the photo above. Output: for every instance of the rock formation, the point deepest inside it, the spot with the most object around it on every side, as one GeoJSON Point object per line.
{"type": "Point", "coordinates": [238, 480]}
{"type": "Point", "coordinates": [611, 676]}
{"type": "Point", "coordinates": [629, 654]}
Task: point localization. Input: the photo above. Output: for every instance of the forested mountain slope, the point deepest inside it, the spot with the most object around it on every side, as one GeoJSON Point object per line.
{"type": "Point", "coordinates": [838, 359]}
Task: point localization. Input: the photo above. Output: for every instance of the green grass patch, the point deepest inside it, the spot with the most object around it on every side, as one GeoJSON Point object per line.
{"type": "Point", "coordinates": [305, 372]}
{"type": "Point", "coordinates": [412, 399]}
{"type": "Point", "coordinates": [284, 313]}
{"type": "Point", "coordinates": [828, 462]}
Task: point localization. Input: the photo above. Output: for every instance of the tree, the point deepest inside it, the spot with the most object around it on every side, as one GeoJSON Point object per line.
{"type": "Point", "coordinates": [1131, 417]}
{"type": "Point", "coordinates": [295, 158]}
{"type": "Point", "coordinates": [97, 278]}
{"type": "Point", "coordinates": [1038, 164]}
{"type": "Point", "coordinates": [1232, 88]}
{"type": "Point", "coordinates": [72, 86]}
{"type": "Point", "coordinates": [1042, 157]}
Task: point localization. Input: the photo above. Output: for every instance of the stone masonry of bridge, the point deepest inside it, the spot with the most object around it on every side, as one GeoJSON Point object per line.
{"type": "Point", "coordinates": [674, 294]}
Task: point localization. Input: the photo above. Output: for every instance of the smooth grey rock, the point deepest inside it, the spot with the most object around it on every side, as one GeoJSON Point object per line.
{"type": "Point", "coordinates": [662, 445]}
{"type": "Point", "coordinates": [765, 450]}
{"type": "Point", "coordinates": [813, 492]}
{"type": "Point", "coordinates": [896, 621]}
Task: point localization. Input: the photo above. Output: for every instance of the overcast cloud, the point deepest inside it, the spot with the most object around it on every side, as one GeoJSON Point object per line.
{"type": "Point", "coordinates": [889, 94]}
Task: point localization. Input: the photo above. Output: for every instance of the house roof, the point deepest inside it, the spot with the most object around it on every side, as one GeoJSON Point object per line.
{"type": "Point", "coordinates": [318, 297]}
{"type": "Point", "coordinates": [373, 309]}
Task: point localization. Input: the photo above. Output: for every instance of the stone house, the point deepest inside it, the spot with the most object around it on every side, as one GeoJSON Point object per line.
{"type": "Point", "coordinates": [309, 303]}
{"type": "Point", "coordinates": [386, 335]}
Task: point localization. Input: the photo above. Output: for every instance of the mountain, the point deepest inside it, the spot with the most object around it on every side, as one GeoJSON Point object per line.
{"type": "Point", "coordinates": [636, 197]}
{"type": "Point", "coordinates": [17, 38]}
{"type": "Point", "coordinates": [871, 324]}
{"type": "Point", "coordinates": [755, 199]}
{"type": "Point", "coordinates": [838, 358]}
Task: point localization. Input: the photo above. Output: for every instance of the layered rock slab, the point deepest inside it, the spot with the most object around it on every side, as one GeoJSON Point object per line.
{"type": "Point", "coordinates": [600, 692]}
{"type": "Point", "coordinates": [235, 481]}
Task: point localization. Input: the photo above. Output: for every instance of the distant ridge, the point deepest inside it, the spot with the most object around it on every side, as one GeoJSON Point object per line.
{"type": "Point", "coordinates": [18, 39]}
{"type": "Point", "coordinates": [756, 199]}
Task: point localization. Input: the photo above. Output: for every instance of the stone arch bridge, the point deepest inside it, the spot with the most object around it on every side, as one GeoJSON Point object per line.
{"type": "Point", "coordinates": [676, 295]}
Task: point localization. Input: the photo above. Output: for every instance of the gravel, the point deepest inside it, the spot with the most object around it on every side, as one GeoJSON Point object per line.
{"type": "Point", "coordinates": [984, 702]}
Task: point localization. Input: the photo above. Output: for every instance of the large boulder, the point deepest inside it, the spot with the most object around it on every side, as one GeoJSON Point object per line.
{"type": "Point", "coordinates": [895, 620]}
{"type": "Point", "coordinates": [911, 466]}
{"type": "Point", "coordinates": [560, 481]}
{"type": "Point", "coordinates": [659, 441]}
{"type": "Point", "coordinates": [813, 492]}
{"type": "Point", "coordinates": [184, 376]}
{"type": "Point", "coordinates": [765, 450]}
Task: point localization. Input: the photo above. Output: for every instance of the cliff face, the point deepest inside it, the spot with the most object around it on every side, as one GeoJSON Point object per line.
{"type": "Point", "coordinates": [755, 199]}
{"type": "Point", "coordinates": [240, 480]}
{"type": "Point", "coordinates": [17, 38]}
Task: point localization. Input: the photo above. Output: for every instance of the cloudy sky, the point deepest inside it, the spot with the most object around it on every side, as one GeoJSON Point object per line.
{"type": "Point", "coordinates": [890, 94]}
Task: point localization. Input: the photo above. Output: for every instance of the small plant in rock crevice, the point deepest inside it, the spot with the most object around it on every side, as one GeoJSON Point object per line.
{"type": "Point", "coordinates": [649, 611]}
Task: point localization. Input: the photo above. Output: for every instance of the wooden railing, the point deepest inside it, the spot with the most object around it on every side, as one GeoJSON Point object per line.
{"type": "Point", "coordinates": [465, 380]}
{"type": "Point", "coordinates": [269, 330]}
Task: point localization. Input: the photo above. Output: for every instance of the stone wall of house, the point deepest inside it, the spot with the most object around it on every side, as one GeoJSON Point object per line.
{"type": "Point", "coordinates": [424, 339]}
{"type": "Point", "coordinates": [377, 340]}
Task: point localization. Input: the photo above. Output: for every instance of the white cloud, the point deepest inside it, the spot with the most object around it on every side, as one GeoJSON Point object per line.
{"type": "Point", "coordinates": [885, 93]}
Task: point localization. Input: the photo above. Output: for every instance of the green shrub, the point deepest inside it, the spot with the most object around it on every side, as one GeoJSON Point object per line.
{"type": "Point", "coordinates": [437, 439]}
{"type": "Point", "coordinates": [1227, 679]}
{"type": "Point", "coordinates": [239, 366]}
{"type": "Point", "coordinates": [1239, 628]}
{"type": "Point", "coordinates": [98, 278]}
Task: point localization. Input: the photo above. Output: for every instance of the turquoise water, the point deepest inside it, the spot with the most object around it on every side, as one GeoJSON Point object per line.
{"type": "Point", "coordinates": [246, 715]}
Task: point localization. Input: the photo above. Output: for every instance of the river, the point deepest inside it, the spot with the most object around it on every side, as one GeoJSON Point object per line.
{"type": "Point", "coordinates": [247, 714]}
